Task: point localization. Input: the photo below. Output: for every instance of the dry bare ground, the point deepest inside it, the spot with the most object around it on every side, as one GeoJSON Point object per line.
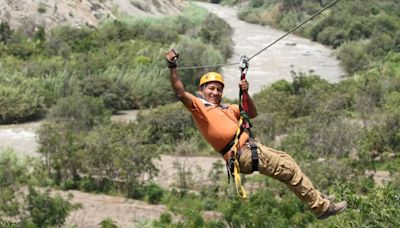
{"type": "Point", "coordinates": [95, 208]}
{"type": "Point", "coordinates": [129, 213]}
{"type": "Point", "coordinates": [51, 13]}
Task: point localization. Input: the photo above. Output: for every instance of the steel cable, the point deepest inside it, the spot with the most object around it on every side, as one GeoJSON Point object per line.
{"type": "Point", "coordinates": [268, 46]}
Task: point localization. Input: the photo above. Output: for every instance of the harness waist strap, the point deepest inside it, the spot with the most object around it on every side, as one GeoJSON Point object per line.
{"type": "Point", "coordinates": [231, 143]}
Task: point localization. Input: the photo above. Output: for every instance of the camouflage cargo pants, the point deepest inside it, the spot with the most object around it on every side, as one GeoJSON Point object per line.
{"type": "Point", "coordinates": [281, 166]}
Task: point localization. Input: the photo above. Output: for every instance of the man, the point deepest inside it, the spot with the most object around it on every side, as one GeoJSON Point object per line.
{"type": "Point", "coordinates": [218, 124]}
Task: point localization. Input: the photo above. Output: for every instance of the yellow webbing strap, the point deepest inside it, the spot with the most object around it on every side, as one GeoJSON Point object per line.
{"type": "Point", "coordinates": [236, 170]}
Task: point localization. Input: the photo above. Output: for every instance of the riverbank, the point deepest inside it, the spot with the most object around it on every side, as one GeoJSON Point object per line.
{"type": "Point", "coordinates": [293, 53]}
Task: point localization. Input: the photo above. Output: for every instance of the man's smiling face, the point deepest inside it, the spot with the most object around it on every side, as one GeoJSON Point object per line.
{"type": "Point", "coordinates": [212, 92]}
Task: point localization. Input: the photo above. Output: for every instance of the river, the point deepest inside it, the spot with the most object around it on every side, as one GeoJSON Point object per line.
{"type": "Point", "coordinates": [291, 53]}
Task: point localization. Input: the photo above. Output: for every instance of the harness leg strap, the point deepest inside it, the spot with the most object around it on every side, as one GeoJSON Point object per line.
{"type": "Point", "coordinates": [254, 155]}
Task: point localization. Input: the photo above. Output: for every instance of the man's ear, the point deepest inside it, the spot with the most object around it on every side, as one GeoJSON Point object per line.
{"type": "Point", "coordinates": [202, 87]}
{"type": "Point", "coordinates": [199, 94]}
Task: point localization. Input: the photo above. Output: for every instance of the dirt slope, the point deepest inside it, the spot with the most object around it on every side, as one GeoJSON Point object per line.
{"type": "Point", "coordinates": [51, 13]}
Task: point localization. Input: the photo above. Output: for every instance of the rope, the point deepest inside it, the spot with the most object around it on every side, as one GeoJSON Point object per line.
{"type": "Point", "coordinates": [245, 122]}
{"type": "Point", "coordinates": [268, 46]}
{"type": "Point", "coordinates": [236, 170]}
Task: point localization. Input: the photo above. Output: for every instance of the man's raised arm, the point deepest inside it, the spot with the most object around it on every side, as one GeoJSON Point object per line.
{"type": "Point", "coordinates": [176, 83]}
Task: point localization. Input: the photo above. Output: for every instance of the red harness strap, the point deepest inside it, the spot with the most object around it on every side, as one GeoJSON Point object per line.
{"type": "Point", "coordinates": [244, 108]}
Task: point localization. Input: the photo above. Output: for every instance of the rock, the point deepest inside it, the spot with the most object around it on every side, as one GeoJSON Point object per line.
{"type": "Point", "coordinates": [290, 44]}
{"type": "Point", "coordinates": [380, 176]}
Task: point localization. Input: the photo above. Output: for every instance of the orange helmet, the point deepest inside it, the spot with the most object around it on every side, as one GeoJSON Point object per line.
{"type": "Point", "coordinates": [211, 77]}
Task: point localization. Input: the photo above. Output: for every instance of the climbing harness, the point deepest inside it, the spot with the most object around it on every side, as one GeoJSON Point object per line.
{"type": "Point", "coordinates": [232, 163]}
{"type": "Point", "coordinates": [268, 46]}
{"type": "Point", "coordinates": [244, 108]}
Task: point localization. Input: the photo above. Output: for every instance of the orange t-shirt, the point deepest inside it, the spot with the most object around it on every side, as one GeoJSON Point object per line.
{"type": "Point", "coordinates": [218, 124]}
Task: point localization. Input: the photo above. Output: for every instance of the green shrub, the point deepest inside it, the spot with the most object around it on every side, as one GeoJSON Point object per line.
{"type": "Point", "coordinates": [60, 146]}
{"type": "Point", "coordinates": [215, 31]}
{"type": "Point", "coordinates": [82, 112]}
{"type": "Point", "coordinates": [136, 190]}
{"type": "Point", "coordinates": [5, 32]}
{"type": "Point", "coordinates": [165, 219]}
{"type": "Point", "coordinates": [392, 101]}
{"type": "Point", "coordinates": [8, 224]}
{"type": "Point", "coordinates": [47, 211]}
{"type": "Point", "coordinates": [9, 205]}
{"type": "Point", "coordinates": [68, 184]}
{"type": "Point", "coordinates": [78, 40]}
{"type": "Point", "coordinates": [55, 86]}
{"type": "Point", "coordinates": [210, 205]}
{"type": "Point", "coordinates": [87, 184]}
{"type": "Point", "coordinates": [108, 223]}
{"type": "Point", "coordinates": [118, 152]}
{"type": "Point", "coordinates": [290, 20]}
{"type": "Point", "coordinates": [41, 8]}
{"type": "Point", "coordinates": [379, 45]}
{"type": "Point", "coordinates": [20, 103]}
{"type": "Point", "coordinates": [353, 57]}
{"type": "Point", "coordinates": [331, 36]}
{"type": "Point", "coordinates": [149, 86]}
{"type": "Point", "coordinates": [167, 125]}
{"type": "Point", "coordinates": [264, 210]}
{"type": "Point", "coordinates": [156, 117]}
{"type": "Point", "coordinates": [378, 207]}
{"type": "Point", "coordinates": [154, 193]}
{"type": "Point", "coordinates": [12, 170]}
{"type": "Point", "coordinates": [115, 94]}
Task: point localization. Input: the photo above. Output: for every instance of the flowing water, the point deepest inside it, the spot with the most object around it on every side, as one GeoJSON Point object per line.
{"type": "Point", "coordinates": [293, 53]}
{"type": "Point", "coordinates": [22, 138]}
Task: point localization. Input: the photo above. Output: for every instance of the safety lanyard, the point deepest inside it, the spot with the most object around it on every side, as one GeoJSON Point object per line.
{"type": "Point", "coordinates": [244, 97]}
{"type": "Point", "coordinates": [245, 123]}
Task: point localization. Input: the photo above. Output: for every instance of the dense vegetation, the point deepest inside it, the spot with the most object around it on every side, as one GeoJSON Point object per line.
{"type": "Point", "coordinates": [120, 62]}
{"type": "Point", "coordinates": [335, 131]}
{"type": "Point", "coordinates": [78, 77]}
{"type": "Point", "coordinates": [363, 31]}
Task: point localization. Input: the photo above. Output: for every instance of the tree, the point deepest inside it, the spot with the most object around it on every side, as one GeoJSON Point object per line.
{"type": "Point", "coordinates": [5, 32]}
{"type": "Point", "coordinates": [46, 211]}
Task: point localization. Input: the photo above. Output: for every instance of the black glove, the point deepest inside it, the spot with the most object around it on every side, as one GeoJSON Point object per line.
{"type": "Point", "coordinates": [172, 57]}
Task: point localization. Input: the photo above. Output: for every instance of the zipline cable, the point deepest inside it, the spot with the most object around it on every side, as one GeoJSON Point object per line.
{"type": "Point", "coordinates": [268, 46]}
{"type": "Point", "coordinates": [205, 66]}
{"type": "Point", "coordinates": [295, 28]}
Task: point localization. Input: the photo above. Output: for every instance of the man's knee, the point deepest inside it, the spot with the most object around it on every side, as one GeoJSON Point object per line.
{"type": "Point", "coordinates": [289, 172]}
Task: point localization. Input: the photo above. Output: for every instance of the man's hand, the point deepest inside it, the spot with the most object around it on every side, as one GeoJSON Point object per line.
{"type": "Point", "coordinates": [248, 104]}
{"type": "Point", "coordinates": [244, 85]}
{"type": "Point", "coordinates": [172, 57]}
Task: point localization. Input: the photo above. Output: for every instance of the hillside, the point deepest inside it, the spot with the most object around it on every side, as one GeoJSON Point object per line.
{"type": "Point", "coordinates": [343, 136]}
{"type": "Point", "coordinates": [51, 13]}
